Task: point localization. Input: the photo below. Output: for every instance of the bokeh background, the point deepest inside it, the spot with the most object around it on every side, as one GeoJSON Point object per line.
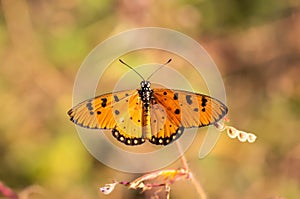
{"type": "Point", "coordinates": [255, 44]}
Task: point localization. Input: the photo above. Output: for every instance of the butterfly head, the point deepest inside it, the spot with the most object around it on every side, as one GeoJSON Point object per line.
{"type": "Point", "coordinates": [145, 85]}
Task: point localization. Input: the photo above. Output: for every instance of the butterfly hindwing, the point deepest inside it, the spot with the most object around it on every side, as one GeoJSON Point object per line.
{"type": "Point", "coordinates": [164, 130]}
{"type": "Point", "coordinates": [128, 116]}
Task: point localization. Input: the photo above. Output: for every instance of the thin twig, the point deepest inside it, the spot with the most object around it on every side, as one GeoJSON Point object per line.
{"type": "Point", "coordinates": [197, 184]}
{"type": "Point", "coordinates": [182, 157]}
{"type": "Point", "coordinates": [198, 187]}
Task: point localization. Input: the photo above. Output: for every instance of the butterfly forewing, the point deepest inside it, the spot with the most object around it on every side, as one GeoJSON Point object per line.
{"type": "Point", "coordinates": [120, 111]}
{"type": "Point", "coordinates": [96, 113]}
{"type": "Point", "coordinates": [189, 109]}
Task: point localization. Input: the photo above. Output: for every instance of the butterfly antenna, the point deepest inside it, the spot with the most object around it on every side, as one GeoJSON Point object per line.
{"type": "Point", "coordinates": [159, 68]}
{"type": "Point", "coordinates": [131, 68]}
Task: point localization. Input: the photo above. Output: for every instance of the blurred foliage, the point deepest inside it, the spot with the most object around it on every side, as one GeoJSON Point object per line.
{"type": "Point", "coordinates": [255, 44]}
{"type": "Point", "coordinates": [238, 14]}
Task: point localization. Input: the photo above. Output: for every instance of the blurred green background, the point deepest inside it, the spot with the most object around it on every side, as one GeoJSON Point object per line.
{"type": "Point", "coordinates": [255, 44]}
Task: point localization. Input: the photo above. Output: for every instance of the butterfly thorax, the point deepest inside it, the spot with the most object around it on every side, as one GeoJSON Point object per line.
{"type": "Point", "coordinates": [145, 94]}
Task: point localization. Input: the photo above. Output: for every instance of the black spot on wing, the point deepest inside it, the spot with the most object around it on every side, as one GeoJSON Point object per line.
{"type": "Point", "coordinates": [188, 99]}
{"type": "Point", "coordinates": [70, 112]}
{"type": "Point", "coordinates": [177, 111]}
{"type": "Point", "coordinates": [89, 106]}
{"type": "Point", "coordinates": [175, 97]}
{"type": "Point", "coordinates": [116, 98]}
{"type": "Point", "coordinates": [204, 101]}
{"type": "Point", "coordinates": [104, 101]}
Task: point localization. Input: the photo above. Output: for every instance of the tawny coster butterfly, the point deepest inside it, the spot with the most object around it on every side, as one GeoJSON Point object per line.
{"type": "Point", "coordinates": [158, 115]}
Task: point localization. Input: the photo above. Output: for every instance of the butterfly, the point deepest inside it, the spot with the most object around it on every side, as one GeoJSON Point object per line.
{"type": "Point", "coordinates": [158, 115]}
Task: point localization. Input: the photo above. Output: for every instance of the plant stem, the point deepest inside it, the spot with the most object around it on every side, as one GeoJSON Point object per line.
{"type": "Point", "coordinates": [197, 184]}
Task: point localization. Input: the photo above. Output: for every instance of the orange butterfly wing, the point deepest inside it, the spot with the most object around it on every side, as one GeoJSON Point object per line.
{"type": "Point", "coordinates": [174, 110]}
{"type": "Point", "coordinates": [120, 111]}
{"type": "Point", "coordinates": [170, 112]}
